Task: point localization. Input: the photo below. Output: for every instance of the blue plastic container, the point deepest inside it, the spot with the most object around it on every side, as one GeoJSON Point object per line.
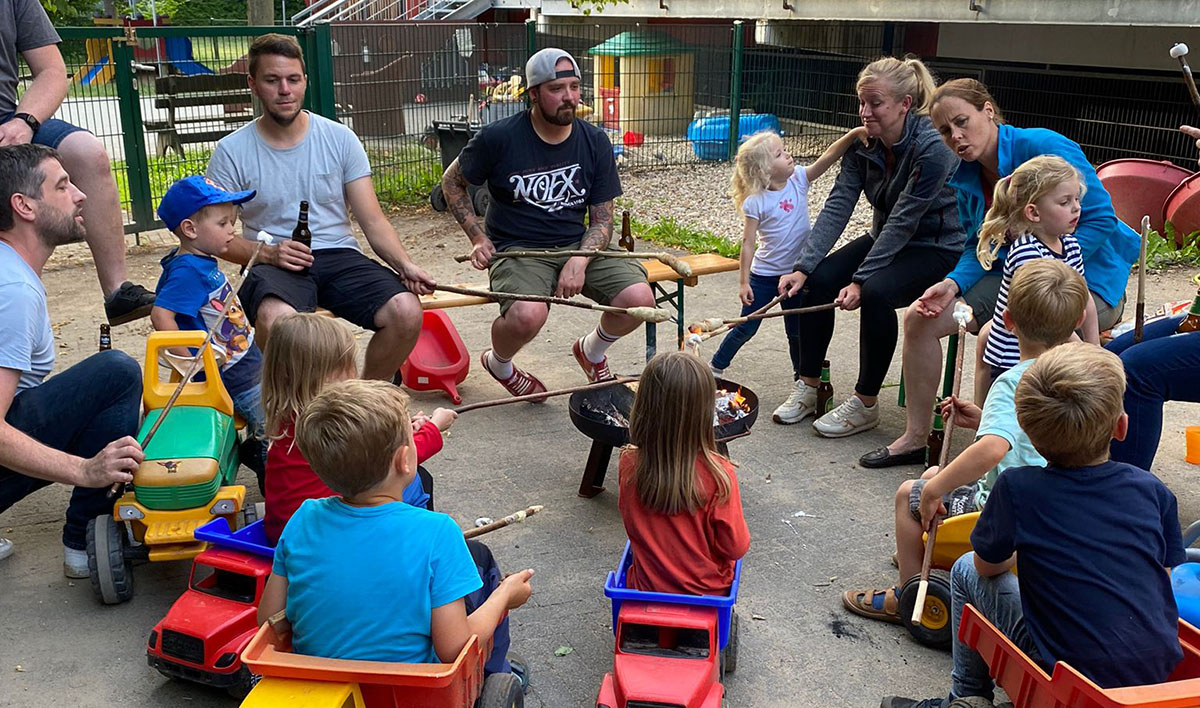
{"type": "Point", "coordinates": [1185, 581]}
{"type": "Point", "coordinates": [710, 136]}
{"type": "Point", "coordinates": [614, 589]}
{"type": "Point", "coordinates": [248, 539]}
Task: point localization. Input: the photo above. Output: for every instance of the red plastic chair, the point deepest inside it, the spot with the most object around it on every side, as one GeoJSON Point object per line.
{"type": "Point", "coordinates": [439, 361]}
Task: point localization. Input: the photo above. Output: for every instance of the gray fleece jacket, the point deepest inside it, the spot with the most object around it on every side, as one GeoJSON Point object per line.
{"type": "Point", "coordinates": [914, 208]}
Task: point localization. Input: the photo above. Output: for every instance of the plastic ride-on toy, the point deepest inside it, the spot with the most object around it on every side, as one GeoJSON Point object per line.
{"type": "Point", "coordinates": [1028, 686]}
{"type": "Point", "coordinates": [953, 541]}
{"type": "Point", "coordinates": [299, 681]}
{"type": "Point", "coordinates": [203, 634]}
{"type": "Point", "coordinates": [672, 651]}
{"type": "Point", "coordinates": [185, 481]}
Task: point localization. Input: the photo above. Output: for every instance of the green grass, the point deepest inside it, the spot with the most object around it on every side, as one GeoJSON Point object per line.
{"type": "Point", "coordinates": [164, 171]}
{"type": "Point", "coordinates": [1161, 252]}
{"type": "Point", "coordinates": [667, 231]}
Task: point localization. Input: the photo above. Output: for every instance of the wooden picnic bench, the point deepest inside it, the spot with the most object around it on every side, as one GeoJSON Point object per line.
{"type": "Point", "coordinates": [229, 92]}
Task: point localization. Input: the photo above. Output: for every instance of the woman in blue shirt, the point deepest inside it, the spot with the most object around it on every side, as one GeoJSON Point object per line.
{"type": "Point", "coordinates": [971, 125]}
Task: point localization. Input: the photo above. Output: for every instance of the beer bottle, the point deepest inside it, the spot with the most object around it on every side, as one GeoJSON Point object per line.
{"type": "Point", "coordinates": [1191, 323]}
{"type": "Point", "coordinates": [301, 234]}
{"type": "Point", "coordinates": [937, 437]}
{"type": "Point", "coordinates": [105, 337]}
{"type": "Point", "coordinates": [824, 391]}
{"type": "Point", "coordinates": [626, 240]}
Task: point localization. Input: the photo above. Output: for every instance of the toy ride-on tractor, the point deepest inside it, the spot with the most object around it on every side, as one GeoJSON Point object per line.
{"type": "Point", "coordinates": [953, 541]}
{"type": "Point", "coordinates": [203, 634]}
{"type": "Point", "coordinates": [671, 650]}
{"type": "Point", "coordinates": [185, 481]}
{"type": "Point", "coordinates": [299, 681]}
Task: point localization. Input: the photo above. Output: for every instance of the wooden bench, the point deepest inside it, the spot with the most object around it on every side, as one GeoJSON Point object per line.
{"type": "Point", "coordinates": [659, 276]}
{"type": "Point", "coordinates": [226, 91]}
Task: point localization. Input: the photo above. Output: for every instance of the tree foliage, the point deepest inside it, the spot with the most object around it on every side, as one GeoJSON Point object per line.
{"type": "Point", "coordinates": [587, 7]}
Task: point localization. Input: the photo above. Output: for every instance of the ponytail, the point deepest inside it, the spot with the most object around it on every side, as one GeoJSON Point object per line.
{"type": "Point", "coordinates": [993, 234]}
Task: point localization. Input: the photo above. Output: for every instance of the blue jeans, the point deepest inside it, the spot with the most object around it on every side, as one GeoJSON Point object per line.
{"type": "Point", "coordinates": [1162, 367]}
{"type": "Point", "coordinates": [765, 289]}
{"type": "Point", "coordinates": [489, 573]}
{"type": "Point", "coordinates": [248, 404]}
{"type": "Point", "coordinates": [999, 600]}
{"type": "Point", "coordinates": [78, 411]}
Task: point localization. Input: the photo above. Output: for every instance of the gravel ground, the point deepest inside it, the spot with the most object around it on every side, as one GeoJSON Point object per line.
{"type": "Point", "coordinates": [657, 194]}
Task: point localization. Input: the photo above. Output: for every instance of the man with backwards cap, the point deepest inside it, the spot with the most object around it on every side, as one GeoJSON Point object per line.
{"type": "Point", "coordinates": [544, 169]}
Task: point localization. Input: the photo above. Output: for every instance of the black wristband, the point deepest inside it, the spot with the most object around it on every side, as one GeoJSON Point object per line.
{"type": "Point", "coordinates": [30, 121]}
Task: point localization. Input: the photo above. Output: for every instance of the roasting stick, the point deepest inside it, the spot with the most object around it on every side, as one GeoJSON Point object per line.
{"type": "Point", "coordinates": [1140, 313]}
{"type": "Point", "coordinates": [643, 314]}
{"type": "Point", "coordinates": [282, 627]}
{"type": "Point", "coordinates": [1180, 52]}
{"type": "Point", "coordinates": [194, 364]}
{"type": "Point", "coordinates": [542, 396]}
{"type": "Point", "coordinates": [962, 316]}
{"type": "Point", "coordinates": [513, 518]}
{"type": "Point", "coordinates": [672, 261]}
{"type": "Point", "coordinates": [715, 327]}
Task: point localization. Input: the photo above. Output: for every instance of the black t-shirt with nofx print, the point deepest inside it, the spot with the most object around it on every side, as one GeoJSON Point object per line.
{"type": "Point", "coordinates": [540, 192]}
{"type": "Point", "coordinates": [23, 26]}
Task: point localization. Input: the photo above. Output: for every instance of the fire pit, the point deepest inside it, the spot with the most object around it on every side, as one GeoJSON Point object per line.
{"type": "Point", "coordinates": [603, 416]}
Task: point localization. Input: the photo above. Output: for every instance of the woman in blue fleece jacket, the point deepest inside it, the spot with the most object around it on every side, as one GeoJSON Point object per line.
{"type": "Point", "coordinates": [971, 125]}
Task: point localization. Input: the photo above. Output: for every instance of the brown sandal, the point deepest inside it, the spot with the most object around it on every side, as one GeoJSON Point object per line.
{"type": "Point", "coordinates": [861, 602]}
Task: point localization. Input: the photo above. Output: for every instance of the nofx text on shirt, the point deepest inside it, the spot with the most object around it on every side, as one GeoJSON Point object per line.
{"type": "Point", "coordinates": [552, 190]}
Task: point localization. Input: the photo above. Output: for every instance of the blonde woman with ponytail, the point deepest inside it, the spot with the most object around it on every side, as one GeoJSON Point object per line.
{"type": "Point", "coordinates": [914, 240]}
{"type": "Point", "coordinates": [972, 126]}
{"type": "Point", "coordinates": [771, 191]}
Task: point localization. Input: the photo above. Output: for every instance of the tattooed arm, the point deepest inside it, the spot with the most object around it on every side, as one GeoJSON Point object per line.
{"type": "Point", "coordinates": [458, 201]}
{"type": "Point", "coordinates": [600, 226]}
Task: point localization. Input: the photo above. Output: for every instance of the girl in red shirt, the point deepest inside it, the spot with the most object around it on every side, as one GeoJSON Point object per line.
{"type": "Point", "coordinates": [679, 499]}
{"type": "Point", "coordinates": [308, 352]}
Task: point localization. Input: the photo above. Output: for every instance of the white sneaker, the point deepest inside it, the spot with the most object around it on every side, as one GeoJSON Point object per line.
{"type": "Point", "coordinates": [75, 563]}
{"type": "Point", "coordinates": [851, 417]}
{"type": "Point", "coordinates": [800, 405]}
{"type": "Point", "coordinates": [6, 548]}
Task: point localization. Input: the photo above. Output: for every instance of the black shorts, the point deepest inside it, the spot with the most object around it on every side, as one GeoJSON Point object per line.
{"type": "Point", "coordinates": [342, 280]}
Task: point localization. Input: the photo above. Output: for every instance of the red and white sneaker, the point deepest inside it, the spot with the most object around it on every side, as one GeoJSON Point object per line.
{"type": "Point", "coordinates": [521, 383]}
{"type": "Point", "coordinates": [595, 372]}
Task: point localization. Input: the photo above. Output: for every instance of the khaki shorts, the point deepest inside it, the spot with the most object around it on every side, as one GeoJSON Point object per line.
{"type": "Point", "coordinates": [604, 279]}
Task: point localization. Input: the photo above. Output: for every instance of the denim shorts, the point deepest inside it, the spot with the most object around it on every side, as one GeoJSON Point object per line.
{"type": "Point", "coordinates": [958, 501]}
{"type": "Point", "coordinates": [52, 132]}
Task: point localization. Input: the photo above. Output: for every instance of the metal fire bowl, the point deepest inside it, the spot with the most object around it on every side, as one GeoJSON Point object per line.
{"type": "Point", "coordinates": [621, 398]}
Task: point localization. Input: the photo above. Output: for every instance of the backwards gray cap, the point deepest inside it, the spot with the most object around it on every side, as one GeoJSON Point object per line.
{"type": "Point", "coordinates": [540, 67]}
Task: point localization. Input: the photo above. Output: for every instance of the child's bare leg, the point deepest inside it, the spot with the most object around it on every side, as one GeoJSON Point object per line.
{"type": "Point", "coordinates": [983, 371]}
{"type": "Point", "coordinates": [910, 544]}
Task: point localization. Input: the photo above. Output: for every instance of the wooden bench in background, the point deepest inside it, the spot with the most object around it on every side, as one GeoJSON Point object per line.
{"type": "Point", "coordinates": [229, 93]}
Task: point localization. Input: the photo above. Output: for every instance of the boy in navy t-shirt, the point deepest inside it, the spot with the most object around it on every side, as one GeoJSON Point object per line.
{"type": "Point", "coordinates": [192, 292]}
{"type": "Point", "coordinates": [1093, 537]}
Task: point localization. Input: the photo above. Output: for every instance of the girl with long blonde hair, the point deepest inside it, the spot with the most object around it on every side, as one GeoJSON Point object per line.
{"type": "Point", "coordinates": [679, 498]}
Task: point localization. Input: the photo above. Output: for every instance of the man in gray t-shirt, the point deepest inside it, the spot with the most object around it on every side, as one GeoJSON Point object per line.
{"type": "Point", "coordinates": [26, 32]}
{"type": "Point", "coordinates": [289, 155]}
{"type": "Point", "coordinates": [75, 427]}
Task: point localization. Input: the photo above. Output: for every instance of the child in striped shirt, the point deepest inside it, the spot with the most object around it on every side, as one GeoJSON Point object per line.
{"type": "Point", "coordinates": [1036, 209]}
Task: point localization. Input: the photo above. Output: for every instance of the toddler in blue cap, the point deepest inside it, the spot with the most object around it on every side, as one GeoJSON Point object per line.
{"type": "Point", "coordinates": [192, 291]}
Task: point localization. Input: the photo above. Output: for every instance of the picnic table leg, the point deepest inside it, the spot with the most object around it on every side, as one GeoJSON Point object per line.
{"type": "Point", "coordinates": [681, 331]}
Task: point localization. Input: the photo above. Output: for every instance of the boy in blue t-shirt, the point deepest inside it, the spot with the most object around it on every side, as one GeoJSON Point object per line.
{"type": "Point", "coordinates": [191, 294]}
{"type": "Point", "coordinates": [1094, 539]}
{"type": "Point", "coordinates": [363, 575]}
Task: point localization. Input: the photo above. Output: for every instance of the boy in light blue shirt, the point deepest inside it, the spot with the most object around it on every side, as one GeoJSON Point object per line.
{"type": "Point", "coordinates": [363, 575]}
{"type": "Point", "coordinates": [1046, 304]}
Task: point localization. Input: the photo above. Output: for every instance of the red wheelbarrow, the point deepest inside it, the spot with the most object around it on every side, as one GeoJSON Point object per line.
{"type": "Point", "coordinates": [439, 361]}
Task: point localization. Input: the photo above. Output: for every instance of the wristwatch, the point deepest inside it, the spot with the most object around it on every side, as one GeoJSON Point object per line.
{"type": "Point", "coordinates": [30, 121]}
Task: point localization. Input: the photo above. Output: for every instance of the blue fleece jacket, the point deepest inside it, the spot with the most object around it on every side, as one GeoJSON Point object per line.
{"type": "Point", "coordinates": [1109, 247]}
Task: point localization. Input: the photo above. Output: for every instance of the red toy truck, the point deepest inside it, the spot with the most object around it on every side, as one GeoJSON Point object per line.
{"type": "Point", "coordinates": [202, 637]}
{"type": "Point", "coordinates": [672, 651]}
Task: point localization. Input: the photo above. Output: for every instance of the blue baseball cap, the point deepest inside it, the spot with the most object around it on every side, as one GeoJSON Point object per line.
{"type": "Point", "coordinates": [190, 194]}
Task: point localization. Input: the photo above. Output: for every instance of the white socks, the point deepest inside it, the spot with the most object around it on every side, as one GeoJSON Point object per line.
{"type": "Point", "coordinates": [500, 367]}
{"type": "Point", "coordinates": [596, 344]}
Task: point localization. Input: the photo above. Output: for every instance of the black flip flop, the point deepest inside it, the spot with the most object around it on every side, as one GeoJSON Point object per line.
{"type": "Point", "coordinates": [880, 457]}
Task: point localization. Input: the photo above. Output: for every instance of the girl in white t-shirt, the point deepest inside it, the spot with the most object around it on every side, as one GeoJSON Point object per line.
{"type": "Point", "coordinates": [772, 192]}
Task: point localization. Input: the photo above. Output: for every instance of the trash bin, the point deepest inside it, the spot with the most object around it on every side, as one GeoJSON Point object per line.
{"type": "Point", "coordinates": [452, 137]}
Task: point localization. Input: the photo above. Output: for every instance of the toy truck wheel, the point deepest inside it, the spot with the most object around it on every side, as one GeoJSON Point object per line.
{"type": "Point", "coordinates": [482, 199]}
{"type": "Point", "coordinates": [245, 682]}
{"type": "Point", "coordinates": [110, 572]}
{"type": "Point", "coordinates": [935, 627]}
{"type": "Point", "coordinates": [501, 691]}
{"type": "Point", "coordinates": [437, 198]}
{"type": "Point", "coordinates": [729, 653]}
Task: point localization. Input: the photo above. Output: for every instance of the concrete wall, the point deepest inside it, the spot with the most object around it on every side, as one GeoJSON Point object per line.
{"type": "Point", "coordinates": [1109, 47]}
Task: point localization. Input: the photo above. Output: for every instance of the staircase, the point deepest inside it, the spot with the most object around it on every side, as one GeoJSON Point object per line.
{"type": "Point", "coordinates": [387, 10]}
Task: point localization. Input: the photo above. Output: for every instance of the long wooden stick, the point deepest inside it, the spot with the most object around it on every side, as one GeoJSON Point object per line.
{"type": "Point", "coordinates": [194, 364]}
{"type": "Point", "coordinates": [715, 327]}
{"type": "Point", "coordinates": [514, 518]}
{"type": "Point", "coordinates": [943, 458]}
{"type": "Point", "coordinates": [644, 314]}
{"type": "Point", "coordinates": [668, 259]}
{"type": "Point", "coordinates": [542, 396]}
{"type": "Point", "coordinates": [1140, 311]}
